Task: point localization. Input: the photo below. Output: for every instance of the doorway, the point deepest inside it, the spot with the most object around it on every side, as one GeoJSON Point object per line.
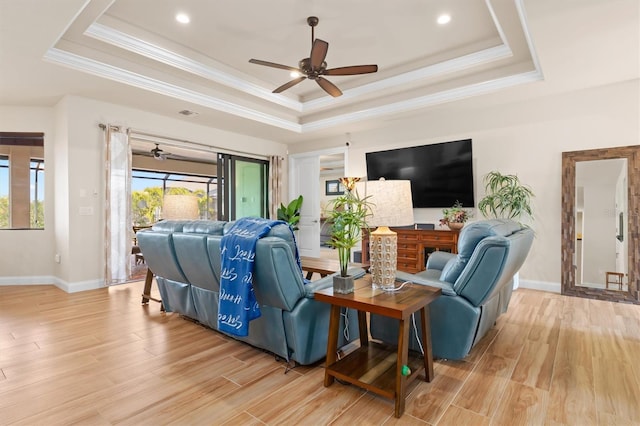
{"type": "Point", "coordinates": [308, 174]}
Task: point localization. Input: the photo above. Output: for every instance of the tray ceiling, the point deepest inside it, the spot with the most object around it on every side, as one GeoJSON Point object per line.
{"type": "Point", "coordinates": [203, 66]}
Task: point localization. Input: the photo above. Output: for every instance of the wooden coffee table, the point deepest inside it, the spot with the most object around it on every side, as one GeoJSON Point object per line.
{"type": "Point", "coordinates": [374, 366]}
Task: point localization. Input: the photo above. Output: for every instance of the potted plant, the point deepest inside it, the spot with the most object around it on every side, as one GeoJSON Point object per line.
{"type": "Point", "coordinates": [455, 216]}
{"type": "Point", "coordinates": [291, 212]}
{"type": "Point", "coordinates": [348, 216]}
{"type": "Point", "coordinates": [506, 197]}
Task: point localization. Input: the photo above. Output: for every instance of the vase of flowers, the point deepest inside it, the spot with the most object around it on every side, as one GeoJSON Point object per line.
{"type": "Point", "coordinates": [455, 216]}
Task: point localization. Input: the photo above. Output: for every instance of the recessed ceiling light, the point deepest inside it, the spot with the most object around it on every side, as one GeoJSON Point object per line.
{"type": "Point", "coordinates": [444, 19]}
{"type": "Point", "coordinates": [294, 74]}
{"type": "Point", "coordinates": [187, 112]}
{"type": "Point", "coordinates": [183, 18]}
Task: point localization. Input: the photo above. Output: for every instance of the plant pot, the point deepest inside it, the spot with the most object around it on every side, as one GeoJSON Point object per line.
{"type": "Point", "coordinates": [455, 226]}
{"type": "Point", "coordinates": [343, 285]}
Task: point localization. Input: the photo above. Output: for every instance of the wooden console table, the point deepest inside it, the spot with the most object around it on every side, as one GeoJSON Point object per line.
{"type": "Point", "coordinates": [373, 366]}
{"type": "Point", "coordinates": [412, 244]}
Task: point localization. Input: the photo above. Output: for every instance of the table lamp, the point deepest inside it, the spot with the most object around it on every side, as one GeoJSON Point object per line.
{"type": "Point", "coordinates": [391, 205]}
{"type": "Point", "coordinates": [180, 207]}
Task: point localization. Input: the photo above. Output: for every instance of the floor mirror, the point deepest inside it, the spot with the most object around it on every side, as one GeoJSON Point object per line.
{"type": "Point", "coordinates": [600, 223]}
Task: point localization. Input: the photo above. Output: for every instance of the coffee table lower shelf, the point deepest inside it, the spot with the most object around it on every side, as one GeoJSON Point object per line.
{"type": "Point", "coordinates": [374, 367]}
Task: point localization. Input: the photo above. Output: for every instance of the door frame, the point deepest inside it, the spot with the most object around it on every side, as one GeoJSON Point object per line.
{"type": "Point", "coordinates": [293, 158]}
{"type": "Point", "coordinates": [329, 151]}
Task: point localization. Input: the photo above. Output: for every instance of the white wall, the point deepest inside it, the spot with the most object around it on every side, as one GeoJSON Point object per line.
{"type": "Point", "coordinates": [30, 252]}
{"type": "Point", "coordinates": [525, 138]}
{"type": "Point", "coordinates": [74, 162]}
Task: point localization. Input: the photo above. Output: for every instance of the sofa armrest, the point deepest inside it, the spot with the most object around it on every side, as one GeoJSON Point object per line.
{"type": "Point", "coordinates": [438, 259]}
{"type": "Point", "coordinates": [447, 288]}
{"type": "Point", "coordinates": [327, 281]}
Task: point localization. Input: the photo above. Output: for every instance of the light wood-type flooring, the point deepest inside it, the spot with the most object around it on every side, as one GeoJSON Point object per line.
{"type": "Point", "coordinates": [100, 358]}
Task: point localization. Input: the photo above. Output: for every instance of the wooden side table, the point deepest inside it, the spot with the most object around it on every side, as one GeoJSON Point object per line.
{"type": "Point", "coordinates": [373, 366]}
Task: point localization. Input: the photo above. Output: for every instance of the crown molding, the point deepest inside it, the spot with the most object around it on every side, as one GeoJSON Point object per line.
{"type": "Point", "coordinates": [425, 101]}
{"type": "Point", "coordinates": [240, 82]}
{"type": "Point", "coordinates": [431, 71]}
{"type": "Point", "coordinates": [127, 77]}
{"type": "Point", "coordinates": [120, 75]}
{"type": "Point", "coordinates": [151, 51]}
{"type": "Point", "coordinates": [148, 50]}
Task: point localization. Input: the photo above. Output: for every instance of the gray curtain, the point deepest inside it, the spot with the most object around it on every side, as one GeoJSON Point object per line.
{"type": "Point", "coordinates": [275, 184]}
{"type": "Point", "coordinates": [118, 225]}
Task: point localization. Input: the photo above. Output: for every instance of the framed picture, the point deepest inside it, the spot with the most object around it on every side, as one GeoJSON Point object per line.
{"type": "Point", "coordinates": [333, 187]}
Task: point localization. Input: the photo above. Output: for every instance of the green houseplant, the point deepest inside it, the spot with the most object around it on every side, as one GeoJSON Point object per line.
{"type": "Point", "coordinates": [348, 216]}
{"type": "Point", "coordinates": [455, 216]}
{"type": "Point", "coordinates": [505, 197]}
{"type": "Point", "coordinates": [291, 212]}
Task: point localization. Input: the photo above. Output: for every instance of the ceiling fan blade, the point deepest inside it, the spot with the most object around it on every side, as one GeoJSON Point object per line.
{"type": "Point", "coordinates": [318, 53]}
{"type": "Point", "coordinates": [289, 84]}
{"type": "Point", "coordinates": [274, 65]}
{"type": "Point", "coordinates": [352, 70]}
{"type": "Point", "coordinates": [329, 87]}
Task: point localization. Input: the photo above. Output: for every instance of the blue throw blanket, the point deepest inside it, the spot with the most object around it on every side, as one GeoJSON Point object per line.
{"type": "Point", "coordinates": [238, 303]}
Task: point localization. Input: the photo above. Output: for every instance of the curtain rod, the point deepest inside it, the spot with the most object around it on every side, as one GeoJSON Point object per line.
{"type": "Point", "coordinates": [180, 143]}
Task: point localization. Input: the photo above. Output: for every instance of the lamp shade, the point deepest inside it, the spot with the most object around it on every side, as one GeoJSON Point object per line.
{"type": "Point", "coordinates": [180, 207]}
{"type": "Point", "coordinates": [391, 203]}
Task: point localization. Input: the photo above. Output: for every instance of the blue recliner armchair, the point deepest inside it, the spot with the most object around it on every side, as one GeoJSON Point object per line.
{"type": "Point", "coordinates": [476, 286]}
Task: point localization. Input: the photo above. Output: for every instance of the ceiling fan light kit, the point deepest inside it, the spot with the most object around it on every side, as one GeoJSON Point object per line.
{"type": "Point", "coordinates": [315, 66]}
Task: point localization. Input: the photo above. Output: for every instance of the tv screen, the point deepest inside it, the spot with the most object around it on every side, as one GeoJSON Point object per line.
{"type": "Point", "coordinates": [440, 174]}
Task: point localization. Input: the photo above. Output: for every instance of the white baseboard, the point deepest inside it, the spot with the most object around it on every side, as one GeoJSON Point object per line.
{"type": "Point", "coordinates": [37, 280]}
{"type": "Point", "coordinates": [540, 285]}
{"type": "Point", "coordinates": [50, 280]}
{"type": "Point", "coordinates": [79, 286]}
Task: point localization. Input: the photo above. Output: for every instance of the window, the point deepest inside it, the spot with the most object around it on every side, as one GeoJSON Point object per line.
{"type": "Point", "coordinates": [4, 191]}
{"type": "Point", "coordinates": [21, 180]}
{"type": "Point", "coordinates": [148, 189]}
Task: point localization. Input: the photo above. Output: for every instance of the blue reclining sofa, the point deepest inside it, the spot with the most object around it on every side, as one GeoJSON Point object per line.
{"type": "Point", "coordinates": [185, 258]}
{"type": "Point", "coordinates": [476, 287]}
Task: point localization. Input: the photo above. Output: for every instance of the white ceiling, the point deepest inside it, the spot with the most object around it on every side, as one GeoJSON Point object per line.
{"type": "Point", "coordinates": [133, 52]}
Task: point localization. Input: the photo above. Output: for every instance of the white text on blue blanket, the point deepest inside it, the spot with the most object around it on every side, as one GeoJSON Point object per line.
{"type": "Point", "coordinates": [237, 299]}
{"type": "Point", "coordinates": [230, 320]}
{"type": "Point", "coordinates": [246, 255]}
{"type": "Point", "coordinates": [228, 274]}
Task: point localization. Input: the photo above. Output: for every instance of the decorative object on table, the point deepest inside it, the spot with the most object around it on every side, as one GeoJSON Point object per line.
{"type": "Point", "coordinates": [391, 205]}
{"type": "Point", "coordinates": [506, 197]}
{"type": "Point", "coordinates": [291, 212]}
{"type": "Point", "coordinates": [348, 216]}
{"type": "Point", "coordinates": [180, 207]}
{"type": "Point", "coordinates": [455, 216]}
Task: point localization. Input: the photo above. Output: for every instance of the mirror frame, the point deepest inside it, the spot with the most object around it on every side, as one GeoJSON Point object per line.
{"type": "Point", "coordinates": [568, 215]}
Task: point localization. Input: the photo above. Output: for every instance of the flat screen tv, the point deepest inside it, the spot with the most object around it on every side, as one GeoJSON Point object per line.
{"type": "Point", "coordinates": [440, 173]}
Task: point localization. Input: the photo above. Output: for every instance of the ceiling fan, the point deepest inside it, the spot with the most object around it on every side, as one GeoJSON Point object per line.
{"type": "Point", "coordinates": [314, 67]}
{"type": "Point", "coordinates": [159, 154]}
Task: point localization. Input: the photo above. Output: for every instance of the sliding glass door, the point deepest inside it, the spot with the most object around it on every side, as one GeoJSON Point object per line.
{"type": "Point", "coordinates": [242, 187]}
